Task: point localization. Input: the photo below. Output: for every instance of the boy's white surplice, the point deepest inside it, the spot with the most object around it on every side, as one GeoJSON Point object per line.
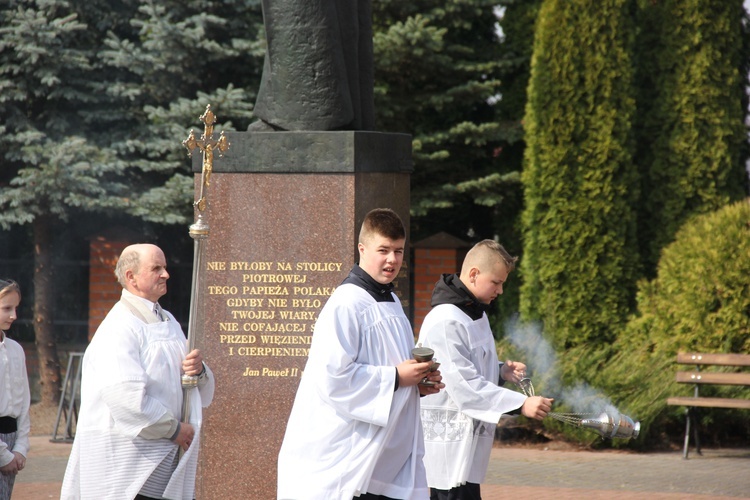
{"type": "Point", "coordinates": [131, 379]}
{"type": "Point", "coordinates": [349, 432]}
{"type": "Point", "coordinates": [459, 422]}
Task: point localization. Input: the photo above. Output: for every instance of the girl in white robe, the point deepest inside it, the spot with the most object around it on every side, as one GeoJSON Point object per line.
{"type": "Point", "coordinates": [15, 398]}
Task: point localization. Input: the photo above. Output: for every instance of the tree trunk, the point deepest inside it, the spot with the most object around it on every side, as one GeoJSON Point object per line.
{"type": "Point", "coordinates": [46, 344]}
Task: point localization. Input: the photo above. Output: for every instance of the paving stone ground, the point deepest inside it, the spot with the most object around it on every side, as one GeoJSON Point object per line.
{"type": "Point", "coordinates": [540, 474]}
{"type": "Point", "coordinates": [521, 473]}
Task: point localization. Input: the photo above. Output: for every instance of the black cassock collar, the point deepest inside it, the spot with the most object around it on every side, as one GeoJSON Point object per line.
{"type": "Point", "coordinates": [378, 291]}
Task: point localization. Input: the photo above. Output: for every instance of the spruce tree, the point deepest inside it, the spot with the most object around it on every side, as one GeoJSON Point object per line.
{"type": "Point", "coordinates": [517, 20]}
{"type": "Point", "coordinates": [52, 169]}
{"type": "Point", "coordinates": [437, 67]}
{"type": "Point", "coordinates": [164, 66]}
{"type": "Point", "coordinates": [96, 97]}
{"type": "Point", "coordinates": [580, 261]}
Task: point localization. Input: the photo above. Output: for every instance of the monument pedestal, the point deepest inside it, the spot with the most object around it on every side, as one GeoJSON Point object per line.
{"type": "Point", "coordinates": [284, 213]}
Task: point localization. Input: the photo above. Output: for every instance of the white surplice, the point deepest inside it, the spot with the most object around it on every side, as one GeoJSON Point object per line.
{"type": "Point", "coordinates": [459, 422]}
{"type": "Point", "coordinates": [15, 397]}
{"type": "Point", "coordinates": [14, 402]}
{"type": "Point", "coordinates": [131, 380]}
{"type": "Point", "coordinates": [349, 432]}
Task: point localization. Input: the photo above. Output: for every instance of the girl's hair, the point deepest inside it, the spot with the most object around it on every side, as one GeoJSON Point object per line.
{"type": "Point", "coordinates": [7, 286]}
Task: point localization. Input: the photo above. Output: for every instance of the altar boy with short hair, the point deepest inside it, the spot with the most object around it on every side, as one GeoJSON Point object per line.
{"type": "Point", "coordinates": [354, 430]}
{"type": "Point", "coordinates": [459, 423]}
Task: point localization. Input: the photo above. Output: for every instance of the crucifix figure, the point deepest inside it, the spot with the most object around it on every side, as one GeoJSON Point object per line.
{"type": "Point", "coordinates": [206, 144]}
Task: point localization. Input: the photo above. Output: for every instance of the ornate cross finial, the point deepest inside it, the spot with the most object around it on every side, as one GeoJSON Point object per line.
{"type": "Point", "coordinates": [207, 145]}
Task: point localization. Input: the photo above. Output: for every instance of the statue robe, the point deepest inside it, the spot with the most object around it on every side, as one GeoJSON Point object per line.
{"type": "Point", "coordinates": [318, 70]}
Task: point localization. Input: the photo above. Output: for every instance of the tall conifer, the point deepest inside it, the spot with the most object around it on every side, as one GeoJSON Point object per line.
{"type": "Point", "coordinates": [692, 141]}
{"type": "Point", "coordinates": [580, 251]}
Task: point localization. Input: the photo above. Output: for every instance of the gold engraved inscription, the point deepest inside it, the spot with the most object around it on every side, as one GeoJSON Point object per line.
{"type": "Point", "coordinates": [273, 351]}
{"type": "Point", "coordinates": [270, 372]}
{"type": "Point", "coordinates": [270, 309]}
{"type": "Point", "coordinates": [250, 266]}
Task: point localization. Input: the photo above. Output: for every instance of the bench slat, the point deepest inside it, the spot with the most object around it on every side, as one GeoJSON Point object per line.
{"type": "Point", "coordinates": [710, 402]}
{"type": "Point", "coordinates": [694, 358]}
{"type": "Point", "coordinates": [696, 377]}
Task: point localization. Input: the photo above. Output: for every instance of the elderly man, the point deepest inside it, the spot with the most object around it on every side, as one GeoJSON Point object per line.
{"type": "Point", "coordinates": [129, 430]}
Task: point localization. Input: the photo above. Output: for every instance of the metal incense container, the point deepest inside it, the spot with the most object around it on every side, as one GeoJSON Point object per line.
{"type": "Point", "coordinates": [612, 424]}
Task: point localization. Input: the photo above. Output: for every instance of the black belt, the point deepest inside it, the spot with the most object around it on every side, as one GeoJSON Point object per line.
{"type": "Point", "coordinates": [8, 425]}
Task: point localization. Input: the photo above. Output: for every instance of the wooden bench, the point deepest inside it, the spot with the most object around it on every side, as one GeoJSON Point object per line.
{"type": "Point", "coordinates": [698, 377]}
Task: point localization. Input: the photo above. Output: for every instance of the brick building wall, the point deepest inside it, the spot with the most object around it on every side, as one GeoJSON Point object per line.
{"type": "Point", "coordinates": [104, 290]}
{"type": "Point", "coordinates": [433, 256]}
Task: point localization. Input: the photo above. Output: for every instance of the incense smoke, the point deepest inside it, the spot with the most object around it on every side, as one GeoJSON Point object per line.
{"type": "Point", "coordinates": [541, 363]}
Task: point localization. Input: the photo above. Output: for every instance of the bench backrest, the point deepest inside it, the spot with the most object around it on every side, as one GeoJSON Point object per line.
{"type": "Point", "coordinates": [696, 377]}
{"type": "Point", "coordinates": [689, 358]}
{"type": "Point", "coordinates": [712, 377]}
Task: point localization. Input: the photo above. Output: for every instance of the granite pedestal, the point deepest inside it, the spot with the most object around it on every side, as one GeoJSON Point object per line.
{"type": "Point", "coordinates": [284, 212]}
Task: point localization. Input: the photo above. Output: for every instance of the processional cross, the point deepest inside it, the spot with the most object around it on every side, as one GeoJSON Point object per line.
{"type": "Point", "coordinates": [199, 231]}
